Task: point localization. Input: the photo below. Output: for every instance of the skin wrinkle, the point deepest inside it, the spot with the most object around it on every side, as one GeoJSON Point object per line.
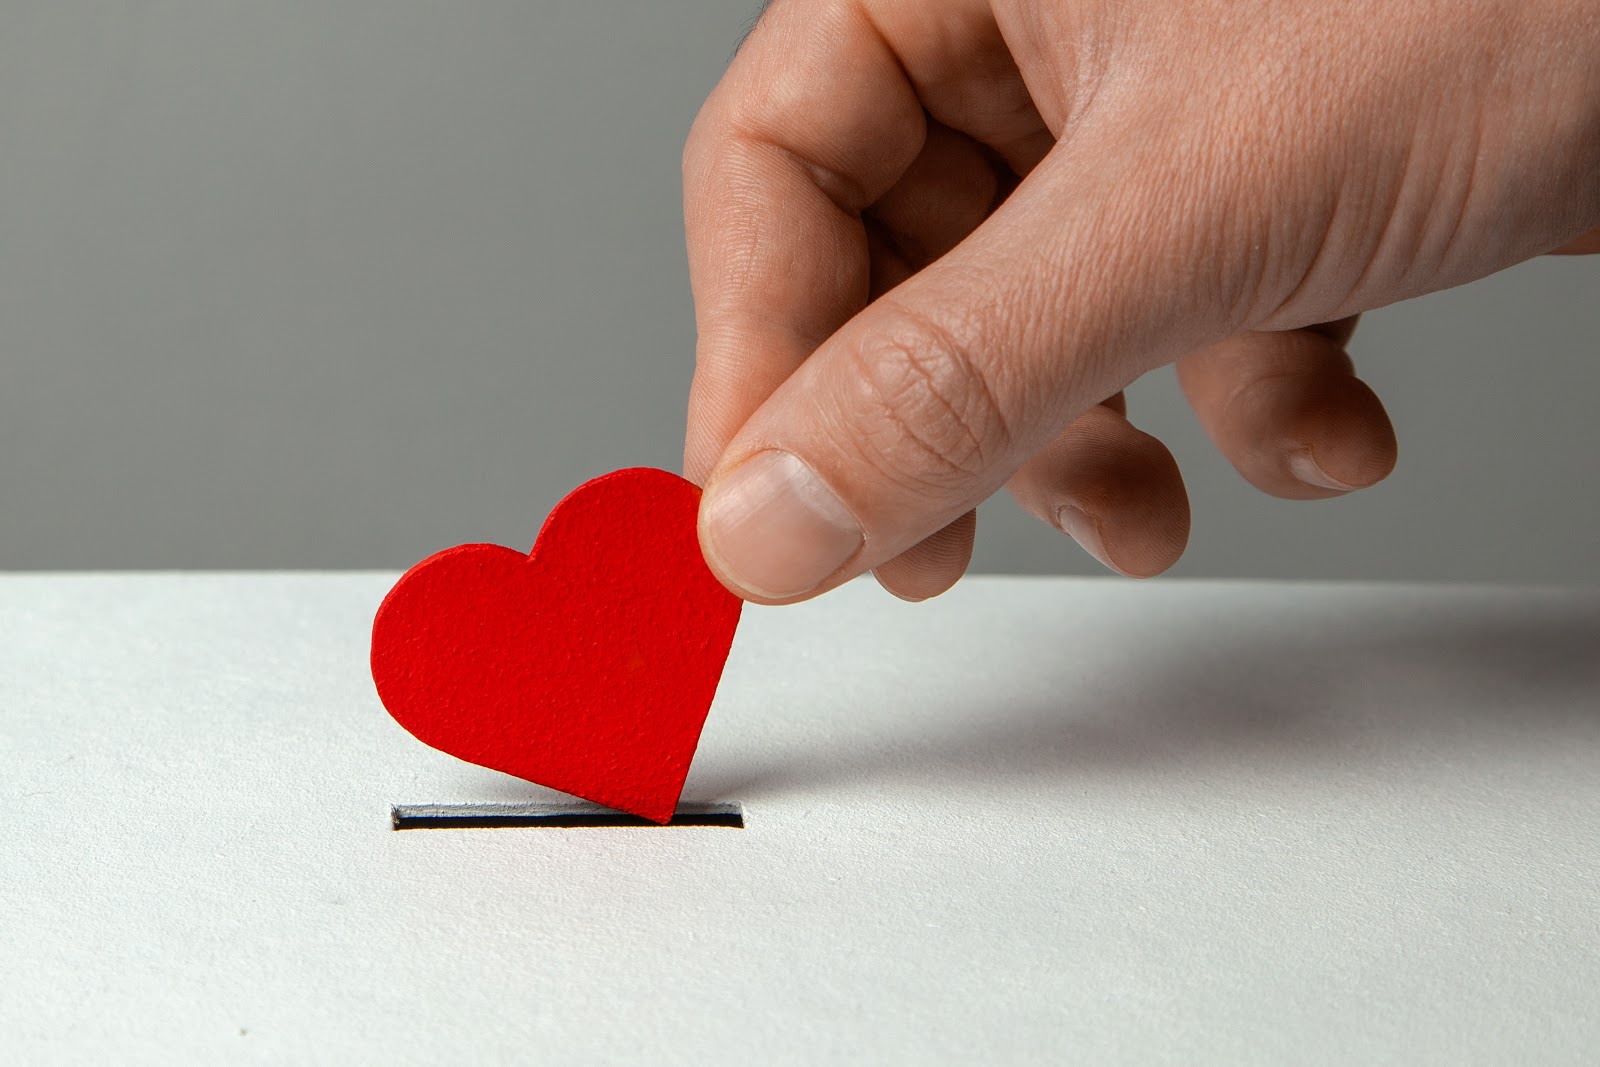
{"type": "Point", "coordinates": [1439, 193]}
{"type": "Point", "coordinates": [1308, 298]}
{"type": "Point", "coordinates": [1447, 246]}
{"type": "Point", "coordinates": [915, 374]}
{"type": "Point", "coordinates": [1260, 148]}
{"type": "Point", "coordinates": [1393, 259]}
{"type": "Point", "coordinates": [1314, 225]}
{"type": "Point", "coordinates": [1181, 202]}
{"type": "Point", "coordinates": [1081, 277]}
{"type": "Point", "coordinates": [1471, 145]}
{"type": "Point", "coordinates": [1389, 234]}
{"type": "Point", "coordinates": [1079, 68]}
{"type": "Point", "coordinates": [1283, 309]}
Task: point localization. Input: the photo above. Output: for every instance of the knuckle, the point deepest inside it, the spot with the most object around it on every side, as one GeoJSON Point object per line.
{"type": "Point", "coordinates": [931, 416]}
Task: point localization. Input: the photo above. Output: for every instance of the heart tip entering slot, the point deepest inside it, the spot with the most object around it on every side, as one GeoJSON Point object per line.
{"type": "Point", "coordinates": [554, 816]}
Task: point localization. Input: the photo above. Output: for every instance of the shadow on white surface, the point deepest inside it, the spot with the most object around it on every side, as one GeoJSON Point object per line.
{"type": "Point", "coordinates": [1372, 687]}
{"type": "Point", "coordinates": [1028, 822]}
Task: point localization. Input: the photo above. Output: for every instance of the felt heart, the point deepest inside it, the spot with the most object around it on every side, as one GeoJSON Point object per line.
{"type": "Point", "coordinates": [587, 665]}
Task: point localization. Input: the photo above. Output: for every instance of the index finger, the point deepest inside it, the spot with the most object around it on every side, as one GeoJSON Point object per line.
{"type": "Point", "coordinates": [814, 120]}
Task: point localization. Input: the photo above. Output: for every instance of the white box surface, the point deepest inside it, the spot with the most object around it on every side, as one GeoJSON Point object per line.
{"type": "Point", "coordinates": [1029, 821]}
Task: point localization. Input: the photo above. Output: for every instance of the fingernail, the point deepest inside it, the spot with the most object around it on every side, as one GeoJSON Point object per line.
{"type": "Point", "coordinates": [1303, 465]}
{"type": "Point", "coordinates": [1077, 524]}
{"type": "Point", "coordinates": [775, 529]}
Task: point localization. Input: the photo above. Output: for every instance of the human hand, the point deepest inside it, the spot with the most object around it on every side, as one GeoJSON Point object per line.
{"type": "Point", "coordinates": [928, 238]}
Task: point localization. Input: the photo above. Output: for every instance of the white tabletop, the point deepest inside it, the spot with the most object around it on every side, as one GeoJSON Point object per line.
{"type": "Point", "coordinates": [1030, 821]}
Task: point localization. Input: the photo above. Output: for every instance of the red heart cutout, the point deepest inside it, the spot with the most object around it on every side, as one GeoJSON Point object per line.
{"type": "Point", "coordinates": [587, 665]}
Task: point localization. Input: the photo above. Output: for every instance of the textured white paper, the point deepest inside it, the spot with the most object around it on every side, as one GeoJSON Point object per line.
{"type": "Point", "coordinates": [1030, 821]}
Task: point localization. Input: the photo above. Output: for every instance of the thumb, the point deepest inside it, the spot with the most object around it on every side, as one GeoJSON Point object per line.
{"type": "Point", "coordinates": [926, 402]}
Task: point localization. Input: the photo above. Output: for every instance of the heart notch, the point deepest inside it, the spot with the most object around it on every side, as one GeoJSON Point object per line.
{"type": "Point", "coordinates": [587, 665]}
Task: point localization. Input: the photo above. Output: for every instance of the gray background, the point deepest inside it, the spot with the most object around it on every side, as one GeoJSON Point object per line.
{"type": "Point", "coordinates": [337, 284]}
